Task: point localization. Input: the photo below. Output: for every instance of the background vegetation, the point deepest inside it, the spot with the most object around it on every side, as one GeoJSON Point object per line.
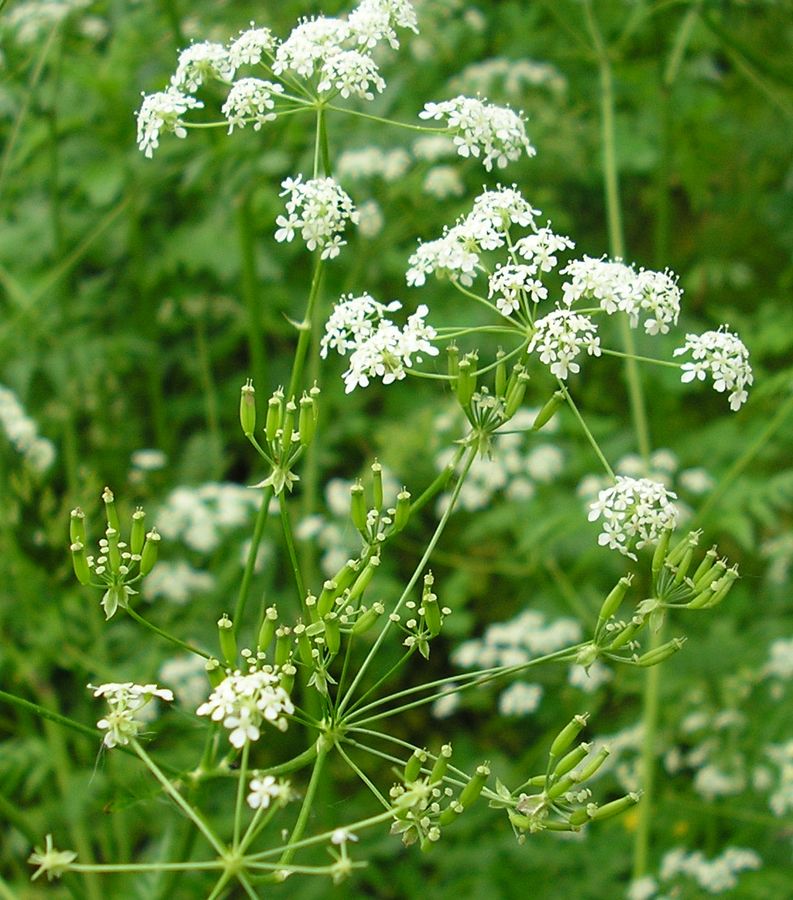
{"type": "Point", "coordinates": [136, 296]}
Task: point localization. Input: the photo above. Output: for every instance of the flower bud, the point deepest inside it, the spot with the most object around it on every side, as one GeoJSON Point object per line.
{"type": "Point", "coordinates": [77, 527]}
{"type": "Point", "coordinates": [267, 629]}
{"type": "Point", "coordinates": [288, 426]}
{"type": "Point", "coordinates": [571, 760]}
{"type": "Point", "coordinates": [441, 764]}
{"type": "Point", "coordinates": [304, 644]}
{"type": "Point", "coordinates": [332, 632]}
{"type": "Point", "coordinates": [560, 787]}
{"type": "Point", "coordinates": [626, 635]}
{"type": "Point", "coordinates": [414, 764]}
{"type": "Point", "coordinates": [365, 621]}
{"type": "Point", "coordinates": [684, 566]}
{"type": "Point", "coordinates": [377, 485]}
{"type": "Point", "coordinates": [227, 641]}
{"type": "Point", "coordinates": [311, 607]}
{"type": "Point", "coordinates": [592, 766]}
{"type": "Point", "coordinates": [659, 554]}
{"type": "Point", "coordinates": [283, 645]}
{"type": "Point", "coordinates": [80, 563]}
{"type": "Point", "coordinates": [474, 787]}
{"type": "Point", "coordinates": [362, 581]}
{"type": "Point", "coordinates": [567, 735]}
{"type": "Point", "coordinates": [677, 552]}
{"type": "Point", "coordinates": [150, 551]}
{"type": "Point", "coordinates": [579, 817]}
{"type": "Point", "coordinates": [137, 534]}
{"type": "Point", "coordinates": [307, 421]}
{"type": "Point", "coordinates": [110, 509]}
{"type": "Point", "coordinates": [248, 408]}
{"type": "Point", "coordinates": [612, 603]}
{"type": "Point", "coordinates": [453, 357]}
{"type": "Point", "coordinates": [402, 513]}
{"type": "Point", "coordinates": [615, 807]}
{"type": "Point", "coordinates": [288, 672]}
{"type": "Point", "coordinates": [329, 593]}
{"type": "Point", "coordinates": [215, 672]}
{"type": "Point", "coordinates": [451, 812]}
{"type": "Point", "coordinates": [274, 415]}
{"type": "Point", "coordinates": [516, 394]}
{"type": "Point", "coordinates": [659, 654]}
{"type": "Point", "coordinates": [466, 379]}
{"type": "Point", "coordinates": [708, 560]}
{"type": "Point", "coordinates": [548, 410]}
{"type": "Point", "coordinates": [113, 553]}
{"type": "Point", "coordinates": [358, 507]}
{"type": "Point", "coordinates": [714, 572]}
{"type": "Point", "coordinates": [429, 603]}
{"type": "Point", "coordinates": [346, 575]}
{"type": "Point", "coordinates": [501, 373]}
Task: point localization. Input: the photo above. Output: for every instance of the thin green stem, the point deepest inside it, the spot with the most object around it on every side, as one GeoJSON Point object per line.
{"type": "Point", "coordinates": [304, 328]}
{"type": "Point", "coordinates": [363, 776]}
{"type": "Point", "coordinates": [438, 483]}
{"type": "Point", "coordinates": [308, 801]}
{"type": "Point", "coordinates": [178, 799]}
{"type": "Point", "coordinates": [164, 634]}
{"type": "Point", "coordinates": [590, 437]}
{"type": "Point", "coordinates": [645, 359]}
{"type": "Point", "coordinates": [250, 563]}
{"type": "Point", "coordinates": [361, 115]}
{"type": "Point", "coordinates": [118, 868]}
{"type": "Point", "coordinates": [241, 779]}
{"type": "Point", "coordinates": [413, 579]}
{"type": "Point", "coordinates": [395, 668]}
{"type": "Point", "coordinates": [290, 545]}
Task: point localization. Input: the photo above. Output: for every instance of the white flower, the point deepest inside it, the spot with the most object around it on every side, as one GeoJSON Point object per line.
{"type": "Point", "coordinates": [251, 98]}
{"type": "Point", "coordinates": [309, 44]}
{"type": "Point", "coordinates": [341, 836]}
{"type": "Point", "coordinates": [723, 356]}
{"type": "Point", "coordinates": [560, 337]}
{"type": "Point", "coordinates": [350, 73]}
{"type": "Point", "coordinates": [320, 210]}
{"type": "Point", "coordinates": [200, 62]}
{"type": "Point", "coordinates": [125, 700]}
{"type": "Point", "coordinates": [263, 790]}
{"type": "Point", "coordinates": [495, 133]}
{"type": "Point", "coordinates": [373, 21]}
{"type": "Point", "coordinates": [540, 249]}
{"type": "Point", "coordinates": [247, 48]}
{"type": "Point", "coordinates": [53, 862]}
{"type": "Point", "coordinates": [507, 284]}
{"type": "Point", "coordinates": [635, 512]}
{"type": "Point", "coordinates": [643, 294]}
{"type": "Point", "coordinates": [162, 112]}
{"type": "Point", "coordinates": [244, 702]}
{"type": "Point", "coordinates": [378, 348]}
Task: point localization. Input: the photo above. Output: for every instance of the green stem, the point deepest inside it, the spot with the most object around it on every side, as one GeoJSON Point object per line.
{"type": "Point", "coordinates": [164, 634]}
{"type": "Point", "coordinates": [245, 233]}
{"type": "Point", "coordinates": [413, 579]}
{"type": "Point", "coordinates": [395, 668]}
{"type": "Point", "coordinates": [242, 777]}
{"type": "Point", "coordinates": [250, 563]}
{"type": "Point", "coordinates": [646, 359]}
{"type": "Point", "coordinates": [361, 115]}
{"type": "Point", "coordinates": [363, 776]}
{"type": "Point", "coordinates": [290, 545]}
{"type": "Point", "coordinates": [308, 800]}
{"type": "Point", "coordinates": [590, 437]}
{"type": "Point", "coordinates": [304, 337]}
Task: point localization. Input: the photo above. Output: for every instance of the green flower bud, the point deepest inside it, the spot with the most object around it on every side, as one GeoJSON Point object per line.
{"type": "Point", "coordinates": [288, 426]}
{"type": "Point", "coordinates": [441, 764]}
{"type": "Point", "coordinates": [708, 560]}
{"type": "Point", "coordinates": [453, 358]}
{"type": "Point", "coordinates": [307, 422]}
{"type": "Point", "coordinates": [274, 415]}
{"type": "Point", "coordinates": [571, 760]}
{"type": "Point", "coordinates": [579, 817]}
{"type": "Point", "coordinates": [677, 552]}
{"type": "Point", "coordinates": [304, 645]}
{"type": "Point", "coordinates": [684, 566]}
{"type": "Point", "coordinates": [267, 629]}
{"type": "Point", "coordinates": [659, 654]}
{"type": "Point", "coordinates": [626, 635]}
{"type": "Point", "coordinates": [548, 410]}
{"type": "Point", "coordinates": [501, 373]}
{"type": "Point", "coordinates": [402, 513]}
{"type": "Point", "coordinates": [150, 551]}
{"type": "Point", "coordinates": [432, 612]}
{"type": "Point", "coordinates": [80, 563]}
{"type": "Point", "coordinates": [362, 581]}
{"type": "Point", "coordinates": [283, 644]}
{"type": "Point", "coordinates": [515, 396]}
{"type": "Point", "coordinates": [248, 408]}
{"type": "Point", "coordinates": [714, 572]}
{"type": "Point", "coordinates": [311, 607]}
{"type": "Point", "coordinates": [358, 507]}
{"type": "Point", "coordinates": [474, 787]}
{"type": "Point", "coordinates": [523, 823]}
{"type": "Point", "coordinates": [288, 672]}
{"type": "Point", "coordinates": [346, 575]}
{"type": "Point", "coordinates": [567, 735]}
{"type": "Point", "coordinates": [560, 787]}
{"type": "Point", "coordinates": [332, 632]}
{"type": "Point", "coordinates": [608, 810]}
{"type": "Point", "coordinates": [367, 619]}
{"type": "Point", "coordinates": [612, 603]}
{"type": "Point", "coordinates": [215, 672]}
{"type": "Point", "coordinates": [466, 379]}
{"type": "Point", "coordinates": [227, 641]}
{"type": "Point", "coordinates": [329, 593]}
{"type": "Point", "coordinates": [77, 527]}
{"type": "Point", "coordinates": [377, 485]}
{"type": "Point", "coordinates": [592, 766]}
{"type": "Point", "coordinates": [659, 555]}
{"type": "Point", "coordinates": [137, 534]}
{"type": "Point", "coordinates": [113, 553]}
{"type": "Point", "coordinates": [110, 509]}
{"type": "Point", "coordinates": [449, 814]}
{"type": "Point", "coordinates": [414, 764]}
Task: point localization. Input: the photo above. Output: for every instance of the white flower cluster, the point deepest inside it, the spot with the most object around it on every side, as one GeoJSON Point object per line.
{"type": "Point", "coordinates": [780, 659]}
{"type": "Point", "coordinates": [187, 675]}
{"type": "Point", "coordinates": [378, 348]}
{"type": "Point", "coordinates": [560, 337]}
{"type": "Point", "coordinates": [309, 44]}
{"type": "Point", "coordinates": [264, 790]}
{"type": "Point", "coordinates": [21, 431]}
{"type": "Point", "coordinates": [722, 355]}
{"type": "Point", "coordinates": [715, 875]}
{"type": "Point", "coordinates": [456, 252]}
{"type": "Point", "coordinates": [202, 62]}
{"type": "Point", "coordinates": [616, 287]}
{"type": "Point", "coordinates": [163, 111]}
{"type": "Point", "coordinates": [540, 249]}
{"type": "Point", "coordinates": [520, 699]}
{"type": "Point", "coordinates": [200, 516]}
{"type": "Point", "coordinates": [635, 512]}
{"type": "Point", "coordinates": [479, 128]}
{"type": "Point", "coordinates": [320, 210]}
{"type": "Point", "coordinates": [510, 282]}
{"type": "Point", "coordinates": [351, 74]}
{"type": "Point", "coordinates": [781, 799]}
{"type": "Point", "coordinates": [33, 20]}
{"type": "Point", "coordinates": [514, 467]}
{"type": "Point", "coordinates": [251, 98]}
{"type": "Point", "coordinates": [373, 21]}
{"type": "Point", "coordinates": [243, 702]}
{"type": "Point", "coordinates": [512, 76]}
{"type": "Point", "coordinates": [250, 45]}
{"type": "Point", "coordinates": [176, 581]}
{"type": "Point", "coordinates": [125, 701]}
{"type": "Point", "coordinates": [373, 162]}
